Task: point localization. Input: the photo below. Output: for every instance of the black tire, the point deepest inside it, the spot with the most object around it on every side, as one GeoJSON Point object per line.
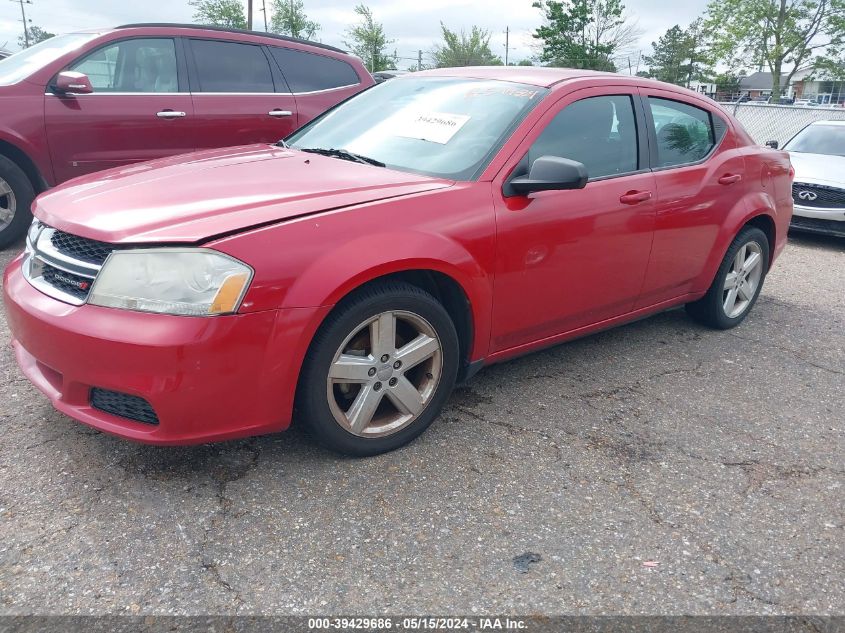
{"type": "Point", "coordinates": [24, 195]}
{"type": "Point", "coordinates": [709, 310]}
{"type": "Point", "coordinates": [312, 402]}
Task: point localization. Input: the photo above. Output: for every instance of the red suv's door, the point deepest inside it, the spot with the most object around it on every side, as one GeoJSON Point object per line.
{"type": "Point", "coordinates": [567, 259]}
{"type": "Point", "coordinates": [700, 176]}
{"type": "Point", "coordinates": [140, 108]}
{"type": "Point", "coordinates": [239, 97]}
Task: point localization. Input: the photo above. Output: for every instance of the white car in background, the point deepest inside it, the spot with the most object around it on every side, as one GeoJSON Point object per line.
{"type": "Point", "coordinates": [818, 156]}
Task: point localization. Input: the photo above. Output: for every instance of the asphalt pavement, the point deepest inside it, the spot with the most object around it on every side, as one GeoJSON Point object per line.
{"type": "Point", "coordinates": [658, 468]}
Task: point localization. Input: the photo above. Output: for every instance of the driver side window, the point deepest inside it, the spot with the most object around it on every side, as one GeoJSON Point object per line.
{"type": "Point", "coordinates": [600, 132]}
{"type": "Point", "coordinates": [136, 65]}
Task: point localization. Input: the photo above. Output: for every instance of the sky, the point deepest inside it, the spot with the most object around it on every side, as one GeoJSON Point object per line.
{"type": "Point", "coordinates": [412, 24]}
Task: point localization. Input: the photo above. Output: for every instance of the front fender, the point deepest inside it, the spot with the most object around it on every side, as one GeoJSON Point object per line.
{"type": "Point", "coordinates": [340, 271]}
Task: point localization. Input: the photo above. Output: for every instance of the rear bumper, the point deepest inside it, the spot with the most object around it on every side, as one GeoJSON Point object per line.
{"type": "Point", "coordinates": [207, 379]}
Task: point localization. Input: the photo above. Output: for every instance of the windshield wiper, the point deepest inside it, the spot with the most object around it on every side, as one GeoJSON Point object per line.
{"type": "Point", "coordinates": [345, 155]}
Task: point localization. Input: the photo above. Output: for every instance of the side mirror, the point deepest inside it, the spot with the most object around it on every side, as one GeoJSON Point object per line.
{"type": "Point", "coordinates": [69, 82]}
{"type": "Point", "coordinates": [772, 144]}
{"type": "Point", "coordinates": [549, 173]}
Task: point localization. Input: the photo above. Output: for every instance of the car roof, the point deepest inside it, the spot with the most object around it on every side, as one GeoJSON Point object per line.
{"type": "Point", "coordinates": [836, 123]}
{"type": "Point", "coordinates": [547, 77]}
{"type": "Point", "coordinates": [223, 29]}
{"type": "Point", "coordinates": [541, 76]}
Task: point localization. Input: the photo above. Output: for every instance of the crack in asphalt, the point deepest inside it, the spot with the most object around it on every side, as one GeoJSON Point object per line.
{"type": "Point", "coordinates": [222, 479]}
{"type": "Point", "coordinates": [794, 353]}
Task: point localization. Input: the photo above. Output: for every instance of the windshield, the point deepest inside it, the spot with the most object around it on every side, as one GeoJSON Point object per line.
{"type": "Point", "coordinates": [438, 126]}
{"type": "Point", "coordinates": [819, 139]}
{"type": "Point", "coordinates": [22, 64]}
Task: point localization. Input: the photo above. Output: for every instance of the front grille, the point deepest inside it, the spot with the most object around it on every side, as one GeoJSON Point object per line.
{"type": "Point", "coordinates": [817, 225]}
{"type": "Point", "coordinates": [825, 197]}
{"type": "Point", "coordinates": [81, 248]}
{"type": "Point", "coordinates": [123, 405]}
{"type": "Point", "coordinates": [62, 265]}
{"type": "Point", "coordinates": [73, 285]}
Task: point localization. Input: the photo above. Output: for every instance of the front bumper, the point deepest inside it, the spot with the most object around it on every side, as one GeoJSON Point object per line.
{"type": "Point", "coordinates": [206, 378]}
{"type": "Point", "coordinates": [817, 220]}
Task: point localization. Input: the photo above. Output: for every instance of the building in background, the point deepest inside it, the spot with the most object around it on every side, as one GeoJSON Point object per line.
{"type": "Point", "coordinates": [759, 85]}
{"type": "Point", "coordinates": [817, 86]}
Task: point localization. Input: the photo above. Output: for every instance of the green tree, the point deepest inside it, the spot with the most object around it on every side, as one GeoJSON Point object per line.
{"type": "Point", "coordinates": [228, 13]}
{"type": "Point", "coordinates": [289, 18]}
{"type": "Point", "coordinates": [783, 35]}
{"type": "Point", "coordinates": [679, 55]}
{"type": "Point", "coordinates": [368, 41]}
{"type": "Point", "coordinates": [727, 83]}
{"type": "Point", "coordinates": [670, 57]}
{"type": "Point", "coordinates": [525, 62]}
{"type": "Point", "coordinates": [36, 35]}
{"type": "Point", "coordinates": [460, 49]}
{"type": "Point", "coordinates": [584, 33]}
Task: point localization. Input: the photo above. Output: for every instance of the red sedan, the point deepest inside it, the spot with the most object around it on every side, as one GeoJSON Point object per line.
{"type": "Point", "coordinates": [429, 226]}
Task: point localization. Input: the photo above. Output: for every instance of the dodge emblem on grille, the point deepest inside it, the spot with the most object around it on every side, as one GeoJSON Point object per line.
{"type": "Point", "coordinates": [808, 195]}
{"type": "Point", "coordinates": [82, 285]}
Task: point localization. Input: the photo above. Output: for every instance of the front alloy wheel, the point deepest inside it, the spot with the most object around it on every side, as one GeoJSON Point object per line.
{"type": "Point", "coordinates": [8, 204]}
{"type": "Point", "coordinates": [379, 369]}
{"type": "Point", "coordinates": [384, 374]}
{"type": "Point", "coordinates": [16, 196]}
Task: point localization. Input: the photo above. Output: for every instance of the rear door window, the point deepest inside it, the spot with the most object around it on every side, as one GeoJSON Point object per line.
{"type": "Point", "coordinates": [230, 67]}
{"type": "Point", "coordinates": [307, 72]}
{"type": "Point", "coordinates": [685, 133]}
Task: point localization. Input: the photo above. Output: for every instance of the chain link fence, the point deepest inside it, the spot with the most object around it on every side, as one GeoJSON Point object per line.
{"type": "Point", "coordinates": [779, 123]}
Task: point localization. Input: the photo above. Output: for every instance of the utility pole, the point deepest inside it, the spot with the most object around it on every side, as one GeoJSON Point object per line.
{"type": "Point", "coordinates": [264, 9]}
{"type": "Point", "coordinates": [23, 19]}
{"type": "Point", "coordinates": [249, 14]}
{"type": "Point", "coordinates": [419, 60]}
{"type": "Point", "coordinates": [507, 43]}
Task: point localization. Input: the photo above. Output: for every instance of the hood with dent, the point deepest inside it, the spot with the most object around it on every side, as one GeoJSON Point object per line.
{"type": "Point", "coordinates": [822, 169]}
{"type": "Point", "coordinates": [197, 196]}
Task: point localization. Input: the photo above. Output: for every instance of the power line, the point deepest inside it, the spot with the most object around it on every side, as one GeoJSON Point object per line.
{"type": "Point", "coordinates": [23, 19]}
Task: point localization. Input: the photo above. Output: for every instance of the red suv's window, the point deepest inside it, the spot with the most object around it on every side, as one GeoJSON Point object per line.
{"type": "Point", "coordinates": [231, 67]}
{"type": "Point", "coordinates": [306, 72]}
{"type": "Point", "coordinates": [136, 65]}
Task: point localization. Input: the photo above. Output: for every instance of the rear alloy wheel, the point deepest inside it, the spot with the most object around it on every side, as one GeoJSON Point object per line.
{"type": "Point", "coordinates": [379, 370]}
{"type": "Point", "coordinates": [16, 196]}
{"type": "Point", "coordinates": [737, 284]}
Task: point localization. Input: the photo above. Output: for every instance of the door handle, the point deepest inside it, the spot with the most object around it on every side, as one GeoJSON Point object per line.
{"type": "Point", "coordinates": [170, 114]}
{"type": "Point", "coordinates": [729, 179]}
{"type": "Point", "coordinates": [280, 113]}
{"type": "Point", "coordinates": [635, 197]}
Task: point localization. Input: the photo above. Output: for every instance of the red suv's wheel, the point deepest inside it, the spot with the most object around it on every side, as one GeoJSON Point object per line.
{"type": "Point", "coordinates": [16, 196]}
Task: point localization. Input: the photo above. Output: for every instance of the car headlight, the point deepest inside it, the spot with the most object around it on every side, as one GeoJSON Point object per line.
{"type": "Point", "coordinates": [183, 281]}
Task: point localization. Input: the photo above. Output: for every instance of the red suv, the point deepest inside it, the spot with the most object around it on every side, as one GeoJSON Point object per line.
{"type": "Point", "coordinates": [426, 227]}
{"type": "Point", "coordinates": [84, 102]}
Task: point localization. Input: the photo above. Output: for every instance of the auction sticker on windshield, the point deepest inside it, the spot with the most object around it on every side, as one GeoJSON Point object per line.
{"type": "Point", "coordinates": [436, 127]}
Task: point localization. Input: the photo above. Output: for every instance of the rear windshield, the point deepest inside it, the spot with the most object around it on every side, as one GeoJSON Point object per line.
{"type": "Point", "coordinates": [21, 65]}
